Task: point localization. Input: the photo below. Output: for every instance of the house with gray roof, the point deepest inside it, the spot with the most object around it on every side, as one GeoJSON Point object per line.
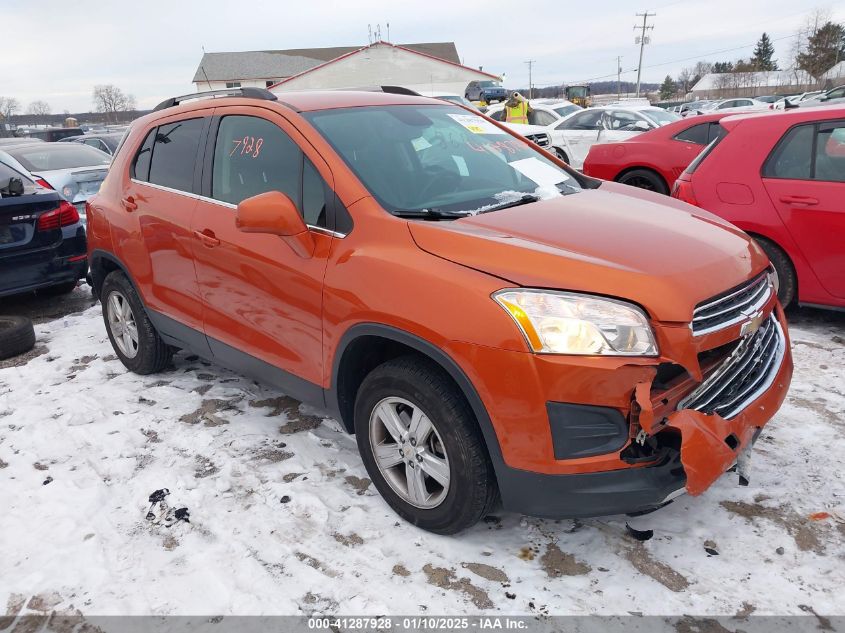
{"type": "Point", "coordinates": [266, 68]}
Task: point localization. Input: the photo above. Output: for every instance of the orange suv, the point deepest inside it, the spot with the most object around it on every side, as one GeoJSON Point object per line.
{"type": "Point", "coordinates": [487, 321]}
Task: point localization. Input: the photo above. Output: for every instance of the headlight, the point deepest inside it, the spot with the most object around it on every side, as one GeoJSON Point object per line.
{"type": "Point", "coordinates": [570, 323]}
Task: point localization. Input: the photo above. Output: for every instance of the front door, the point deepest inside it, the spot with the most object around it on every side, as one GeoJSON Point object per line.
{"type": "Point", "coordinates": [261, 299]}
{"type": "Point", "coordinates": [580, 132]}
{"type": "Point", "coordinates": [805, 179]}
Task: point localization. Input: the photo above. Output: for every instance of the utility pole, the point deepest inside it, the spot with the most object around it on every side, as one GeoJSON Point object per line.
{"type": "Point", "coordinates": [530, 63]}
{"type": "Point", "coordinates": [618, 77]}
{"type": "Point", "coordinates": [642, 39]}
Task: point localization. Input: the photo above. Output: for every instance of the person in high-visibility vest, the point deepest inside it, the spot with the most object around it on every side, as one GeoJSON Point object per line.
{"type": "Point", "coordinates": [517, 109]}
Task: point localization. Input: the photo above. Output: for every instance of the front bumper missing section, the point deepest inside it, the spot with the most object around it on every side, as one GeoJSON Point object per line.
{"type": "Point", "coordinates": [690, 450]}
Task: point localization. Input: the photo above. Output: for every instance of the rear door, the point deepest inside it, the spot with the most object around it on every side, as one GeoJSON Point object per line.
{"type": "Point", "coordinates": [161, 196]}
{"type": "Point", "coordinates": [805, 179]}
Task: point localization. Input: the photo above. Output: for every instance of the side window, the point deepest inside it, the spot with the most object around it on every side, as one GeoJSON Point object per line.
{"type": "Point", "coordinates": [619, 120]}
{"type": "Point", "coordinates": [582, 121]}
{"type": "Point", "coordinates": [792, 157]}
{"type": "Point", "coordinates": [313, 195]}
{"type": "Point", "coordinates": [140, 169]}
{"type": "Point", "coordinates": [830, 152]}
{"type": "Point", "coordinates": [499, 115]}
{"type": "Point", "coordinates": [696, 134]}
{"type": "Point", "coordinates": [252, 156]}
{"type": "Point", "coordinates": [541, 117]}
{"type": "Point", "coordinates": [175, 154]}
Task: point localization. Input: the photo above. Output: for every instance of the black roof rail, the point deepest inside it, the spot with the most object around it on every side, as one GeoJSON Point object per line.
{"type": "Point", "coordinates": [247, 93]}
{"type": "Point", "coordinates": [400, 90]}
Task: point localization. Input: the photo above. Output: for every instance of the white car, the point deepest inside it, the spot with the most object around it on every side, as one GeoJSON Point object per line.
{"type": "Point", "coordinates": [543, 112]}
{"type": "Point", "coordinates": [573, 137]}
{"type": "Point", "coordinates": [738, 103]}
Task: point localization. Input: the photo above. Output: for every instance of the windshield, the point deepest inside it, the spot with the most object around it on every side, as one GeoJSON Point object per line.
{"type": "Point", "coordinates": [567, 109]}
{"type": "Point", "coordinates": [710, 105]}
{"type": "Point", "coordinates": [50, 156]}
{"type": "Point", "coordinates": [577, 91]}
{"type": "Point", "coordinates": [489, 84]}
{"type": "Point", "coordinates": [661, 117]}
{"type": "Point", "coordinates": [438, 158]}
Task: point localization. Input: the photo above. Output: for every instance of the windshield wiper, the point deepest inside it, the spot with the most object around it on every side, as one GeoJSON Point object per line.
{"type": "Point", "coordinates": [526, 199]}
{"type": "Point", "coordinates": [431, 214]}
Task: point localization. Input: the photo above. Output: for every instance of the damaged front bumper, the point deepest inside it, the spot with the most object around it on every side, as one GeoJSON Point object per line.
{"type": "Point", "coordinates": [686, 438]}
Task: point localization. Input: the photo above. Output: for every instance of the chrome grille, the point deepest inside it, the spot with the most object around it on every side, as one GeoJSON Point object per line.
{"type": "Point", "coordinates": [735, 306]}
{"type": "Point", "coordinates": [743, 376]}
{"type": "Point", "coordinates": [540, 139]}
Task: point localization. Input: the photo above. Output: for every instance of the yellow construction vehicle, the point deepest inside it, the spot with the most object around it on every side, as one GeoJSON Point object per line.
{"type": "Point", "coordinates": [579, 95]}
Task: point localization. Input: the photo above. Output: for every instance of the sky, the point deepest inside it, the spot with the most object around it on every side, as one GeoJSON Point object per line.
{"type": "Point", "coordinates": [59, 50]}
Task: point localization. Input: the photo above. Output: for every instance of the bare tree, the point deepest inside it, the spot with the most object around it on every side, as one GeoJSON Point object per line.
{"type": "Point", "coordinates": [38, 109]}
{"type": "Point", "coordinates": [110, 100]}
{"type": "Point", "coordinates": [8, 107]}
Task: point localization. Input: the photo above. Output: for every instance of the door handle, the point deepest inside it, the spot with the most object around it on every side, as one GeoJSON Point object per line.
{"type": "Point", "coordinates": [208, 238]}
{"type": "Point", "coordinates": [804, 200]}
{"type": "Point", "coordinates": [129, 203]}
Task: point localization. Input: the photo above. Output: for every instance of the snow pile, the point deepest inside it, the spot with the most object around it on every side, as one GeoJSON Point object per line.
{"type": "Point", "coordinates": [283, 519]}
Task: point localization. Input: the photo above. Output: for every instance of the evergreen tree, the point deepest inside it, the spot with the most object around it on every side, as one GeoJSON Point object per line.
{"type": "Point", "coordinates": [723, 67]}
{"type": "Point", "coordinates": [667, 88]}
{"type": "Point", "coordinates": [762, 58]}
{"type": "Point", "coordinates": [825, 48]}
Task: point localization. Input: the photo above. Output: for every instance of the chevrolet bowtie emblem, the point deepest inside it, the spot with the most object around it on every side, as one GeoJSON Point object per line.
{"type": "Point", "coordinates": [752, 325]}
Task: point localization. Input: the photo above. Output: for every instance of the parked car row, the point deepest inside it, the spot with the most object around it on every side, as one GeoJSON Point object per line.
{"type": "Point", "coordinates": [780, 176]}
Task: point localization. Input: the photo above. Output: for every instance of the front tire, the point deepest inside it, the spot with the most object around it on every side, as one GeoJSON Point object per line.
{"type": "Point", "coordinates": [422, 447]}
{"type": "Point", "coordinates": [644, 179]}
{"type": "Point", "coordinates": [133, 337]}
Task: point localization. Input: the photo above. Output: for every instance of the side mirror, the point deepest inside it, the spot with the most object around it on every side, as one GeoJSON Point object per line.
{"type": "Point", "coordinates": [641, 126]}
{"type": "Point", "coordinates": [276, 214]}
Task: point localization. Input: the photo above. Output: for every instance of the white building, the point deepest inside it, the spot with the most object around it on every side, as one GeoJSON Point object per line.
{"type": "Point", "coordinates": [429, 67]}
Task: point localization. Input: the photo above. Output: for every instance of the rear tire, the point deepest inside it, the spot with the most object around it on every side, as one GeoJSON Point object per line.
{"type": "Point", "coordinates": [414, 388]}
{"type": "Point", "coordinates": [16, 336]}
{"type": "Point", "coordinates": [785, 271]}
{"type": "Point", "coordinates": [644, 179]}
{"type": "Point", "coordinates": [133, 336]}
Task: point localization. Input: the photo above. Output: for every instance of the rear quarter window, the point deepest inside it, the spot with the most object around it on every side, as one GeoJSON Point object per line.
{"type": "Point", "coordinates": [695, 164]}
{"type": "Point", "coordinates": [696, 134]}
{"type": "Point", "coordinates": [175, 154]}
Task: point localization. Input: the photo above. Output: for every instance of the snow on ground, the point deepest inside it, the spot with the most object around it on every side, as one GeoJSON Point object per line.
{"type": "Point", "coordinates": [283, 519]}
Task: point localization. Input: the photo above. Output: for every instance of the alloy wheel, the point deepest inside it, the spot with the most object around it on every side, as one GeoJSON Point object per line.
{"type": "Point", "coordinates": [122, 324]}
{"type": "Point", "coordinates": [409, 452]}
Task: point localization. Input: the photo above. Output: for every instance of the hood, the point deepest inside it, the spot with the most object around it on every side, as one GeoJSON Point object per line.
{"type": "Point", "coordinates": [652, 250]}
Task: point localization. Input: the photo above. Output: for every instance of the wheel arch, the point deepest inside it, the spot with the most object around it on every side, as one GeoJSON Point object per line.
{"type": "Point", "coordinates": [102, 263]}
{"type": "Point", "coordinates": [366, 345]}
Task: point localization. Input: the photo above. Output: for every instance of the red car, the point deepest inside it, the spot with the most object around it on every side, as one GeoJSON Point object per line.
{"type": "Point", "coordinates": [653, 160]}
{"type": "Point", "coordinates": [781, 178]}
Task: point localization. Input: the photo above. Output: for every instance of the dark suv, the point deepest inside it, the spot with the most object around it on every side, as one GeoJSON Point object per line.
{"type": "Point", "coordinates": [487, 91]}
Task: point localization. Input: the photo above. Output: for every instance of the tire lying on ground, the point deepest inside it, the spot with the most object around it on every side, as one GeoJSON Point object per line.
{"type": "Point", "coordinates": [16, 336]}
